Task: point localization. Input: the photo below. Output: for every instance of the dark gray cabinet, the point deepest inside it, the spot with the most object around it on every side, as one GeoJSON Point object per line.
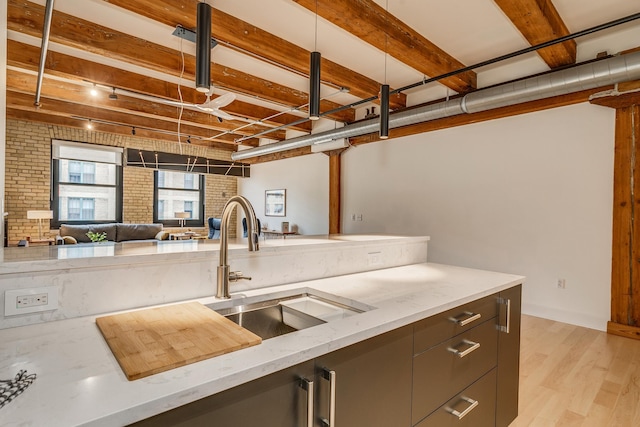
{"type": "Point", "coordinates": [276, 400]}
{"type": "Point", "coordinates": [508, 355]}
{"type": "Point", "coordinates": [372, 382]}
{"type": "Point", "coordinates": [459, 367]}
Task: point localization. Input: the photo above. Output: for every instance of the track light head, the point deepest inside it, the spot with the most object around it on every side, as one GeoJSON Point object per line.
{"type": "Point", "coordinates": [113, 95]}
{"type": "Point", "coordinates": [133, 130]}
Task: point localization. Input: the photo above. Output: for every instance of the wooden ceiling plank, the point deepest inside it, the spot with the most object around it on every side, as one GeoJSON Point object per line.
{"type": "Point", "coordinates": [64, 91]}
{"type": "Point", "coordinates": [25, 56]}
{"type": "Point", "coordinates": [244, 37]}
{"type": "Point", "coordinates": [22, 101]}
{"type": "Point", "coordinates": [35, 116]}
{"type": "Point", "coordinates": [371, 23]}
{"type": "Point", "coordinates": [27, 18]}
{"type": "Point", "coordinates": [539, 22]}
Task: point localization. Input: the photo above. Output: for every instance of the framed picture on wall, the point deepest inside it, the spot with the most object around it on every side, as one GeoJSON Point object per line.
{"type": "Point", "coordinates": [275, 202]}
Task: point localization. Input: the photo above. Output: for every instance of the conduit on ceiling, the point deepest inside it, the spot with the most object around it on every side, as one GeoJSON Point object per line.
{"type": "Point", "coordinates": [583, 77]}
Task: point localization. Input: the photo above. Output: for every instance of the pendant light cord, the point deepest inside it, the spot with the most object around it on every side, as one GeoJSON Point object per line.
{"type": "Point", "coordinates": [315, 41]}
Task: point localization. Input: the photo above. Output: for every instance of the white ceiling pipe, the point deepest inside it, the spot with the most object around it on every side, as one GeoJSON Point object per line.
{"type": "Point", "coordinates": [44, 47]}
{"type": "Point", "coordinates": [587, 76]}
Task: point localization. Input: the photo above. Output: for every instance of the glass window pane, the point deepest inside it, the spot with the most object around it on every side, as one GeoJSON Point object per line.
{"type": "Point", "coordinates": [79, 202]}
{"type": "Point", "coordinates": [87, 172]}
{"type": "Point", "coordinates": [173, 201]}
{"type": "Point", "coordinates": [187, 181]}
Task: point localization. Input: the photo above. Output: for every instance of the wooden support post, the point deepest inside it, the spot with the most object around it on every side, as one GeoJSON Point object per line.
{"type": "Point", "coordinates": [625, 265]}
{"type": "Point", "coordinates": [335, 181]}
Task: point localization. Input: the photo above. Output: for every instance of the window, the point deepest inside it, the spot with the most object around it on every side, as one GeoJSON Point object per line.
{"type": "Point", "coordinates": [87, 183]}
{"type": "Point", "coordinates": [81, 208]}
{"type": "Point", "coordinates": [178, 192]}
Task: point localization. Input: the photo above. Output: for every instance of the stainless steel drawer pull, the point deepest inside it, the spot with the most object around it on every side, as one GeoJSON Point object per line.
{"type": "Point", "coordinates": [307, 385]}
{"type": "Point", "coordinates": [465, 318]}
{"type": "Point", "coordinates": [461, 415]}
{"type": "Point", "coordinates": [331, 377]}
{"type": "Point", "coordinates": [473, 346]}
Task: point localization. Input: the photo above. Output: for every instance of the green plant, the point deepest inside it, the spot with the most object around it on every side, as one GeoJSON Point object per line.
{"type": "Point", "coordinates": [97, 237]}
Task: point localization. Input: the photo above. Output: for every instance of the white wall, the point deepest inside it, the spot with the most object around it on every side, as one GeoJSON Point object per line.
{"type": "Point", "coordinates": [530, 195]}
{"type": "Point", "coordinates": [306, 180]}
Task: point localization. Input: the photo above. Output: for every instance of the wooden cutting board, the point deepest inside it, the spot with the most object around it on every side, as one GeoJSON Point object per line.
{"type": "Point", "coordinates": [154, 340]}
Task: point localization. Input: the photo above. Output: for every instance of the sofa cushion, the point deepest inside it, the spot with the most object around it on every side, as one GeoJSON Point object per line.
{"type": "Point", "coordinates": [137, 231]}
{"type": "Point", "coordinates": [79, 232]}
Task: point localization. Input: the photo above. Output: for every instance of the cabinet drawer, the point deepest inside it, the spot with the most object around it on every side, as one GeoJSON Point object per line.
{"type": "Point", "coordinates": [441, 327]}
{"type": "Point", "coordinates": [444, 370]}
{"type": "Point", "coordinates": [482, 414]}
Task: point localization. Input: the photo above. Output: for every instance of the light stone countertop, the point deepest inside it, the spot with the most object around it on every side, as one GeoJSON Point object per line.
{"type": "Point", "coordinates": [79, 381]}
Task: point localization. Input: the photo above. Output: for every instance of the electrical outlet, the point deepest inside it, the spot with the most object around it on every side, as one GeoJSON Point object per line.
{"type": "Point", "coordinates": [373, 258]}
{"type": "Point", "coordinates": [562, 283]}
{"type": "Point", "coordinates": [359, 217]}
{"type": "Point", "coordinates": [24, 301]}
{"type": "Point", "coordinates": [353, 217]}
{"type": "Point", "coordinates": [31, 300]}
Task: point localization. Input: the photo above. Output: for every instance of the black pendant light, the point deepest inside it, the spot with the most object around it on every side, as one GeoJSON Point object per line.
{"type": "Point", "coordinates": [314, 86]}
{"type": "Point", "coordinates": [384, 111]}
{"type": "Point", "coordinates": [203, 48]}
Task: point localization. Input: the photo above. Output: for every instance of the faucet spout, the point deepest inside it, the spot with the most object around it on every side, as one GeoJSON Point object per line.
{"type": "Point", "coordinates": [224, 274]}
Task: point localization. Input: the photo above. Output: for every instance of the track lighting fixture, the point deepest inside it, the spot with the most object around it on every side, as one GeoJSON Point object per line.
{"type": "Point", "coordinates": [314, 76]}
{"type": "Point", "coordinates": [314, 86]}
{"type": "Point", "coordinates": [384, 111]}
{"type": "Point", "coordinates": [133, 130]}
{"type": "Point", "coordinates": [94, 91]}
{"type": "Point", "coordinates": [203, 48]}
{"type": "Point", "coordinates": [189, 140]}
{"type": "Point", "coordinates": [384, 89]}
{"type": "Point", "coordinates": [113, 94]}
{"type": "Point", "coordinates": [89, 125]}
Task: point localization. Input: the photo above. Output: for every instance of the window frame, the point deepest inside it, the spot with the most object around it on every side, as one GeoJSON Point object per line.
{"type": "Point", "coordinates": [56, 222]}
{"type": "Point", "coordinates": [189, 222]}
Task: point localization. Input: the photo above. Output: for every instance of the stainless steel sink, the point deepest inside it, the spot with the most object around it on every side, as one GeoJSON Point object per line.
{"type": "Point", "coordinates": [279, 316]}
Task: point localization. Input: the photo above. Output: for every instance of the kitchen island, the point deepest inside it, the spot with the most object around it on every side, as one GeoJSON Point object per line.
{"type": "Point", "coordinates": [80, 383]}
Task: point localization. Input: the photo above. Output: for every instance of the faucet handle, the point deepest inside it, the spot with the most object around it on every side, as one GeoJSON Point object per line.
{"type": "Point", "coordinates": [234, 276]}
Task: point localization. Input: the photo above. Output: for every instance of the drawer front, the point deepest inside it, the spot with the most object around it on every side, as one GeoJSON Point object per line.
{"type": "Point", "coordinates": [444, 370]}
{"type": "Point", "coordinates": [436, 329]}
{"type": "Point", "coordinates": [462, 411]}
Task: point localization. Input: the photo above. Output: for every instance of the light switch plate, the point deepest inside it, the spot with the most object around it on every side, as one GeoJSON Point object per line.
{"type": "Point", "coordinates": [30, 300]}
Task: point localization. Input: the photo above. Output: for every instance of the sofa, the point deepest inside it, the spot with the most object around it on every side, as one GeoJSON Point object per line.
{"type": "Point", "coordinates": [116, 232]}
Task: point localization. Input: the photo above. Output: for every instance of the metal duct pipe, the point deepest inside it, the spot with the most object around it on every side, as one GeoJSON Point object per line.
{"type": "Point", "coordinates": [44, 47]}
{"type": "Point", "coordinates": [587, 76]}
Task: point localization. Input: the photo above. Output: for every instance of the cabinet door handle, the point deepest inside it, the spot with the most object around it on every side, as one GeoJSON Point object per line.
{"type": "Point", "coordinates": [465, 318]}
{"type": "Point", "coordinates": [507, 325]}
{"type": "Point", "coordinates": [331, 377]}
{"type": "Point", "coordinates": [307, 386]}
{"type": "Point", "coordinates": [473, 347]}
{"type": "Point", "coordinates": [472, 404]}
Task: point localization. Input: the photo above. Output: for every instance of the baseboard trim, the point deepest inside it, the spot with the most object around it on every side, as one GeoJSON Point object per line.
{"type": "Point", "coordinates": [623, 330]}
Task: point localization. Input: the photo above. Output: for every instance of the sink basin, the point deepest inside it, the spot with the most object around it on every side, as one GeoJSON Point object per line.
{"type": "Point", "coordinates": [279, 316]}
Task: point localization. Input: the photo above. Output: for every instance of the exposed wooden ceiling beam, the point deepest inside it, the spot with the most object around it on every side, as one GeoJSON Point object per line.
{"type": "Point", "coordinates": [20, 101]}
{"type": "Point", "coordinates": [64, 91]}
{"type": "Point", "coordinates": [371, 23]}
{"type": "Point", "coordinates": [244, 37]}
{"type": "Point", "coordinates": [27, 17]}
{"type": "Point", "coordinates": [58, 64]}
{"type": "Point", "coordinates": [35, 116]}
{"type": "Point", "coordinates": [539, 21]}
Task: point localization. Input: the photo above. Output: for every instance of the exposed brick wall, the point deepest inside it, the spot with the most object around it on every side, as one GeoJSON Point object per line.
{"type": "Point", "coordinates": [28, 175]}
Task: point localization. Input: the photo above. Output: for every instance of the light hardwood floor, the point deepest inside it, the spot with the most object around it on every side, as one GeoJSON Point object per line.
{"type": "Point", "coordinates": [574, 376]}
